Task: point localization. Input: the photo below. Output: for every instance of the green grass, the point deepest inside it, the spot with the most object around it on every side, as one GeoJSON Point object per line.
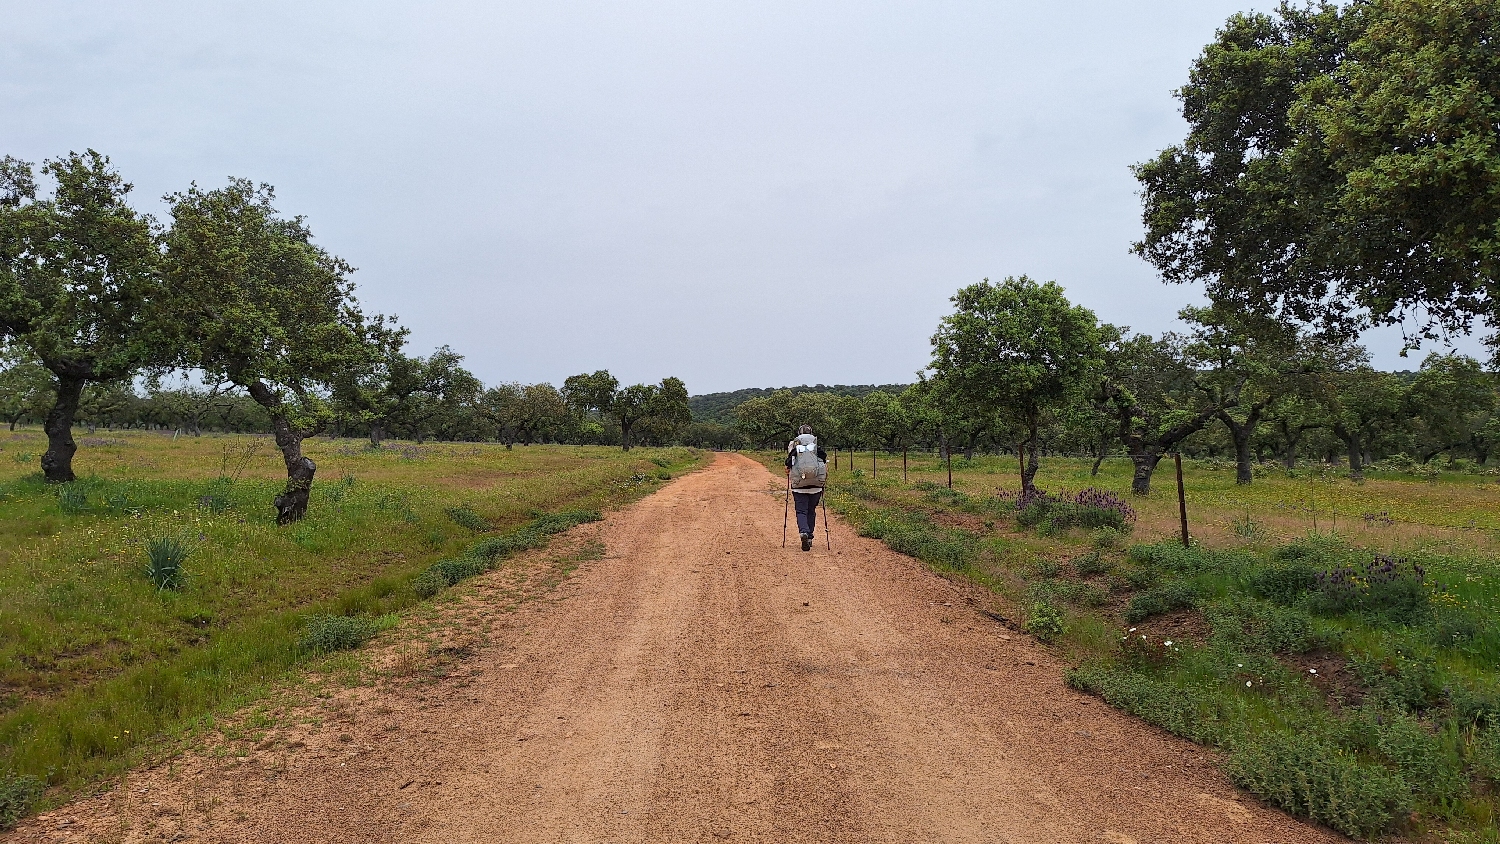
{"type": "Point", "coordinates": [1348, 665]}
{"type": "Point", "coordinates": [97, 661]}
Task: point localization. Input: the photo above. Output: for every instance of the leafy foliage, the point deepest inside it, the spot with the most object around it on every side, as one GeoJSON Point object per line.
{"type": "Point", "coordinates": [1309, 776]}
{"type": "Point", "coordinates": [1044, 621]}
{"type": "Point", "coordinates": [164, 558]}
{"type": "Point", "coordinates": [17, 794]}
{"type": "Point", "coordinates": [330, 633]}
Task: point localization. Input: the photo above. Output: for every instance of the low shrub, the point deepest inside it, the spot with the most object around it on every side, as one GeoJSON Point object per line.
{"type": "Point", "coordinates": [1160, 600]}
{"type": "Point", "coordinates": [1139, 651]}
{"type": "Point", "coordinates": [1432, 769]}
{"type": "Point", "coordinates": [1171, 557]}
{"type": "Point", "coordinates": [429, 583]}
{"type": "Point", "coordinates": [329, 633]}
{"type": "Point", "coordinates": [1089, 508]}
{"type": "Point", "coordinates": [1284, 584]}
{"type": "Point", "coordinates": [1106, 538]}
{"type": "Point", "coordinates": [1484, 754]}
{"type": "Point", "coordinates": [1307, 775]}
{"type": "Point", "coordinates": [17, 794]}
{"type": "Point", "coordinates": [1401, 680]}
{"type": "Point", "coordinates": [460, 568]}
{"type": "Point", "coordinates": [1475, 707]}
{"type": "Point", "coordinates": [164, 558]}
{"type": "Point", "coordinates": [533, 535]}
{"type": "Point", "coordinates": [1089, 595]}
{"type": "Point", "coordinates": [1045, 568]}
{"type": "Point", "coordinates": [1259, 627]}
{"type": "Point", "coordinates": [1091, 564]}
{"type": "Point", "coordinates": [466, 517]}
{"type": "Point", "coordinates": [1044, 621]}
{"type": "Point", "coordinates": [908, 534]}
{"type": "Point", "coordinates": [547, 524]}
{"type": "Point", "coordinates": [1384, 586]}
{"type": "Point", "coordinates": [1188, 712]}
{"type": "Point", "coordinates": [939, 494]}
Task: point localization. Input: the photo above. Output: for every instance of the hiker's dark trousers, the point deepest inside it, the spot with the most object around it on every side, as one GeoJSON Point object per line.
{"type": "Point", "coordinates": [807, 510]}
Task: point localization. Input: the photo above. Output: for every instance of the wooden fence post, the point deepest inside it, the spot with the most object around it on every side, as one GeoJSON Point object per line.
{"type": "Point", "coordinates": [1181, 499]}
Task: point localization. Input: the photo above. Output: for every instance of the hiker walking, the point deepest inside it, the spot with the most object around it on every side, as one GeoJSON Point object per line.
{"type": "Point", "coordinates": [806, 472]}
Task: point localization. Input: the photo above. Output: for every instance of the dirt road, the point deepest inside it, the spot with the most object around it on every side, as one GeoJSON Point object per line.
{"type": "Point", "coordinates": [700, 683]}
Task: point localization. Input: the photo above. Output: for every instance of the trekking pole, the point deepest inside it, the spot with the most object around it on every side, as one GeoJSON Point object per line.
{"type": "Point", "coordinates": [827, 530]}
{"type": "Point", "coordinates": [786, 507]}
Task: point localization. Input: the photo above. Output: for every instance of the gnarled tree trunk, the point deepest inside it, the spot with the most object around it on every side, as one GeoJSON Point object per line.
{"type": "Point", "coordinates": [1145, 464]}
{"type": "Point", "coordinates": [1351, 443]}
{"type": "Point", "coordinates": [57, 463]}
{"type": "Point", "coordinates": [1032, 464]}
{"type": "Point", "coordinates": [291, 504]}
{"type": "Point", "coordinates": [1240, 433]}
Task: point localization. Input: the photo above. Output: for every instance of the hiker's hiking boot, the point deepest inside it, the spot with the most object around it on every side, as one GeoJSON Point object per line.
{"type": "Point", "coordinates": [806, 542]}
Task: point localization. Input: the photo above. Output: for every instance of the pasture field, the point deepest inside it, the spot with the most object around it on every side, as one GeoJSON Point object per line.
{"type": "Point", "coordinates": [97, 662]}
{"type": "Point", "coordinates": [1338, 640]}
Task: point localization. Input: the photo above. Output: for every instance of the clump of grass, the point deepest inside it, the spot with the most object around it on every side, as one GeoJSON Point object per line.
{"type": "Point", "coordinates": [1160, 601]}
{"type": "Point", "coordinates": [1044, 621]}
{"type": "Point", "coordinates": [216, 500]}
{"type": "Point", "coordinates": [1091, 564]}
{"type": "Point", "coordinates": [485, 554]}
{"type": "Point", "coordinates": [1247, 528]}
{"type": "Point", "coordinates": [18, 793]}
{"type": "Point", "coordinates": [164, 558]}
{"type": "Point", "coordinates": [1484, 754]}
{"type": "Point", "coordinates": [72, 498]}
{"type": "Point", "coordinates": [1106, 538]}
{"type": "Point", "coordinates": [330, 633]}
{"type": "Point", "coordinates": [335, 493]}
{"type": "Point", "coordinates": [1310, 776]}
{"type": "Point", "coordinates": [466, 517]}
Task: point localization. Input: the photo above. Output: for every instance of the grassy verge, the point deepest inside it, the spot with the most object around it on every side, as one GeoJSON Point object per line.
{"type": "Point", "coordinates": [1351, 676]}
{"type": "Point", "coordinates": [98, 662]}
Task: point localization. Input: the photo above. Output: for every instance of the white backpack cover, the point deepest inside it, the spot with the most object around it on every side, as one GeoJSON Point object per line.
{"type": "Point", "coordinates": [807, 469]}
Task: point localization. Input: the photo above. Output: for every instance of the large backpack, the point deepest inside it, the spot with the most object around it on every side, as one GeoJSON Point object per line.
{"type": "Point", "coordinates": [807, 469]}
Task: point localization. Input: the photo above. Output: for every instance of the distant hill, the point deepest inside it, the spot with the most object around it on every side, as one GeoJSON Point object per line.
{"type": "Point", "coordinates": [717, 407]}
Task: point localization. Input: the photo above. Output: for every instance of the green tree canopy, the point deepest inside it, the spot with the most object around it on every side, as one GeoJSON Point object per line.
{"type": "Point", "coordinates": [1018, 350]}
{"type": "Point", "coordinates": [78, 275]}
{"type": "Point", "coordinates": [1342, 164]}
{"type": "Point", "coordinates": [253, 301]}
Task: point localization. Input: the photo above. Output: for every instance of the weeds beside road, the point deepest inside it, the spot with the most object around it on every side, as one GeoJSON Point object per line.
{"type": "Point", "coordinates": [104, 647]}
{"type": "Point", "coordinates": [1352, 675]}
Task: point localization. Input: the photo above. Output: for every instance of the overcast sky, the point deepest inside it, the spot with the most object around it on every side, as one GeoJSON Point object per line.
{"type": "Point", "coordinates": [739, 194]}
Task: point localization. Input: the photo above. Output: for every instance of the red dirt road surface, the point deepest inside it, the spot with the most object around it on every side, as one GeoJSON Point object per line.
{"type": "Point", "coordinates": [700, 683]}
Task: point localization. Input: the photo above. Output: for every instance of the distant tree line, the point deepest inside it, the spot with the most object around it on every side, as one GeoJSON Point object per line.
{"type": "Point", "coordinates": [1341, 170]}
{"type": "Point", "coordinates": [1018, 369]}
{"type": "Point", "coordinates": [100, 305]}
